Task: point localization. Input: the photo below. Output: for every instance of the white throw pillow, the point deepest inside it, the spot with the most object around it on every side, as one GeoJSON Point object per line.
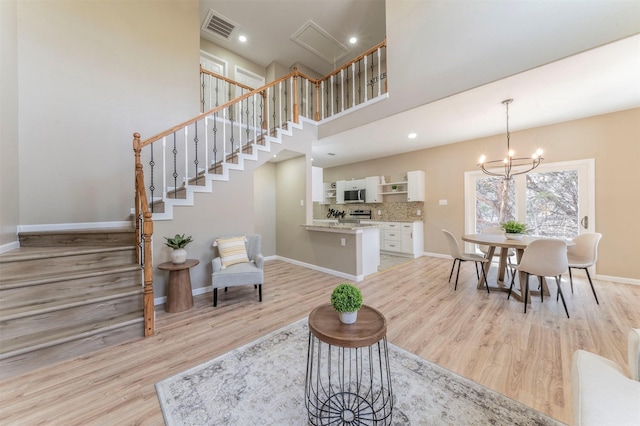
{"type": "Point", "coordinates": [232, 250]}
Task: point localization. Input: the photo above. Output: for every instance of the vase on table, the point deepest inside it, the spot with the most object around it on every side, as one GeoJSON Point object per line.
{"type": "Point", "coordinates": [348, 317]}
{"type": "Point", "coordinates": [179, 256]}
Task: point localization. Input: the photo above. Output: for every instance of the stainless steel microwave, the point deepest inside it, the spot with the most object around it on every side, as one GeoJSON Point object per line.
{"type": "Point", "coordinates": [354, 196]}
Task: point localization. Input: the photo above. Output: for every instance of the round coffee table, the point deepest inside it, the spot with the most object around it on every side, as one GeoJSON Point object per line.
{"type": "Point", "coordinates": [348, 379]}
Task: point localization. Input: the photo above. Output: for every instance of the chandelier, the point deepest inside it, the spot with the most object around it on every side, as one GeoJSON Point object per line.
{"type": "Point", "coordinates": [512, 166]}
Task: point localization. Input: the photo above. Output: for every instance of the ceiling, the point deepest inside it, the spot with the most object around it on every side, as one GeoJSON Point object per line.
{"type": "Point", "coordinates": [454, 63]}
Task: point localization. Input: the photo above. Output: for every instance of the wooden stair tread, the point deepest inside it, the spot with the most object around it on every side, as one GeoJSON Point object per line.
{"type": "Point", "coordinates": [81, 231]}
{"type": "Point", "coordinates": [35, 341]}
{"type": "Point", "coordinates": [33, 253]}
{"type": "Point", "coordinates": [67, 302]}
{"type": "Point", "coordinates": [44, 278]}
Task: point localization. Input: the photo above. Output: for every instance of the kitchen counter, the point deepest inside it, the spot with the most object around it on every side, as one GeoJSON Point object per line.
{"type": "Point", "coordinates": [352, 250]}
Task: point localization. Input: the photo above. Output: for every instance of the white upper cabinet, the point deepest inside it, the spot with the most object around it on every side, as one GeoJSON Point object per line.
{"type": "Point", "coordinates": [415, 186]}
{"type": "Point", "coordinates": [340, 187]}
{"type": "Point", "coordinates": [317, 185]}
{"type": "Point", "coordinates": [372, 187]}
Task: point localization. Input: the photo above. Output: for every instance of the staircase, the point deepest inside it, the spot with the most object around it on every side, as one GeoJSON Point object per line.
{"type": "Point", "coordinates": [64, 294]}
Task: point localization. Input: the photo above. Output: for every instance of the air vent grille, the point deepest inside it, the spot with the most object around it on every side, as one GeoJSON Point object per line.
{"type": "Point", "coordinates": [219, 25]}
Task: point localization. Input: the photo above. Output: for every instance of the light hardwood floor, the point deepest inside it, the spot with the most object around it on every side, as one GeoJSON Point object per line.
{"type": "Point", "coordinates": [480, 336]}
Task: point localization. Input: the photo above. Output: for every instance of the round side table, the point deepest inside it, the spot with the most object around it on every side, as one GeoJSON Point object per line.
{"type": "Point", "coordinates": [348, 379]}
{"type": "Point", "coordinates": [179, 296]}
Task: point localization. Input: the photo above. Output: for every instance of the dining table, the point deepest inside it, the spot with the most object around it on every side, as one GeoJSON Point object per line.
{"type": "Point", "coordinates": [493, 241]}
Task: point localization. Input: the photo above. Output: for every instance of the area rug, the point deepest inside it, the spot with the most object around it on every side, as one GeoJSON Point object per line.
{"type": "Point", "coordinates": [262, 383]}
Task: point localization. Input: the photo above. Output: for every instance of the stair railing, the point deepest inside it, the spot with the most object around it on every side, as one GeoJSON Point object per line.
{"type": "Point", "coordinates": [216, 89]}
{"type": "Point", "coordinates": [195, 153]}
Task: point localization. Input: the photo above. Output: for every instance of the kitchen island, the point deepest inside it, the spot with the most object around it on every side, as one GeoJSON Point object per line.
{"type": "Point", "coordinates": [350, 249]}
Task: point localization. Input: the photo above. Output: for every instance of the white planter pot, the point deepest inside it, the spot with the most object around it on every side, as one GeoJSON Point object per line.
{"type": "Point", "coordinates": [348, 317]}
{"type": "Point", "coordinates": [179, 255]}
{"type": "Point", "coordinates": [509, 236]}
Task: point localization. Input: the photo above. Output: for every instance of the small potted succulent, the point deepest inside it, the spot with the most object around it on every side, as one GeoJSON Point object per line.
{"type": "Point", "coordinates": [347, 300]}
{"type": "Point", "coordinates": [394, 188]}
{"type": "Point", "coordinates": [513, 229]}
{"type": "Point", "coordinates": [178, 244]}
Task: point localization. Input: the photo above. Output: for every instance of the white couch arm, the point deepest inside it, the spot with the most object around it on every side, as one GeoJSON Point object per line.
{"type": "Point", "coordinates": [216, 264]}
{"type": "Point", "coordinates": [602, 394]}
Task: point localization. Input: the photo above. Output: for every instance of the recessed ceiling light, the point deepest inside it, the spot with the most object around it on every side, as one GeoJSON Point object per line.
{"type": "Point", "coordinates": [413, 135]}
{"type": "Point", "coordinates": [242, 38]}
{"type": "Point", "coordinates": [353, 40]}
{"type": "Point", "coordinates": [274, 155]}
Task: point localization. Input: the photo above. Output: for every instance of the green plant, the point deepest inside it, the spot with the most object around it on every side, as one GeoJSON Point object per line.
{"type": "Point", "coordinates": [178, 242]}
{"type": "Point", "coordinates": [394, 187]}
{"type": "Point", "coordinates": [514, 227]}
{"type": "Point", "coordinates": [346, 298]}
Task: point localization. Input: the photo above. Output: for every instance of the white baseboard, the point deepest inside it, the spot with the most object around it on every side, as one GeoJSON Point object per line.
{"type": "Point", "coordinates": [355, 278]}
{"type": "Point", "coordinates": [618, 279]}
{"type": "Point", "coordinates": [73, 226]}
{"type": "Point", "coordinates": [10, 246]}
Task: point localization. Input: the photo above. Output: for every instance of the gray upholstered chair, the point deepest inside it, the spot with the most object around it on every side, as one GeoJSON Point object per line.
{"type": "Point", "coordinates": [249, 272]}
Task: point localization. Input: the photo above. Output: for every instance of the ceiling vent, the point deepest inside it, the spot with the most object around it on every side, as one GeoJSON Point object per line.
{"type": "Point", "coordinates": [315, 39]}
{"type": "Point", "coordinates": [219, 25]}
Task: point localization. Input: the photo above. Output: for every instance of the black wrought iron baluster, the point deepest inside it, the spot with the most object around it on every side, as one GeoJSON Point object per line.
{"type": "Point", "coordinates": [286, 105]}
{"type": "Point", "coordinates": [359, 81]}
{"type": "Point", "coordinates": [195, 143]}
{"type": "Point", "coordinates": [312, 104]}
{"type": "Point", "coordinates": [247, 129]}
{"type": "Point", "coordinates": [152, 187]}
{"type": "Point", "coordinates": [326, 102]}
{"type": "Point", "coordinates": [373, 77]}
{"type": "Point", "coordinates": [175, 167]}
{"type": "Point", "coordinates": [232, 140]}
{"type": "Point", "coordinates": [261, 118]}
{"type": "Point", "coordinates": [337, 86]}
{"type": "Point", "coordinates": [202, 75]}
{"type": "Point", "coordinates": [217, 91]}
{"type": "Point", "coordinates": [347, 92]}
{"type": "Point", "coordinates": [215, 142]}
{"type": "Point", "coordinates": [302, 104]}
{"type": "Point", "coordinates": [274, 109]}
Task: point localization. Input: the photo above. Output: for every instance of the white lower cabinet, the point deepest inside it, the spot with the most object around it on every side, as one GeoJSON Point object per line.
{"type": "Point", "coordinates": [404, 238]}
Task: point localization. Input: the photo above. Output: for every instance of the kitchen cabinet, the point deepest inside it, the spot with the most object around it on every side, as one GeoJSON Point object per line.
{"type": "Point", "coordinates": [340, 187]}
{"type": "Point", "coordinates": [317, 190]}
{"type": "Point", "coordinates": [329, 193]}
{"type": "Point", "coordinates": [412, 188]}
{"type": "Point", "coordinates": [372, 187]}
{"type": "Point", "coordinates": [404, 238]}
{"type": "Point", "coordinates": [415, 186]}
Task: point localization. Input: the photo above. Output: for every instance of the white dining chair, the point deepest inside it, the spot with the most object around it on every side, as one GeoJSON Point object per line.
{"type": "Point", "coordinates": [583, 255]}
{"type": "Point", "coordinates": [545, 257]}
{"type": "Point", "coordinates": [459, 256]}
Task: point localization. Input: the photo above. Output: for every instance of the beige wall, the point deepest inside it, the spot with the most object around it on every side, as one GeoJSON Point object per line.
{"type": "Point", "coordinates": [9, 177]}
{"type": "Point", "coordinates": [613, 140]}
{"type": "Point", "coordinates": [264, 195]}
{"type": "Point", "coordinates": [91, 74]}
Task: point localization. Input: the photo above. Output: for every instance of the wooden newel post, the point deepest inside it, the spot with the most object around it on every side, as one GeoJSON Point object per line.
{"type": "Point", "coordinates": [296, 101]}
{"type": "Point", "coordinates": [148, 296]}
{"type": "Point", "coordinates": [137, 170]}
{"type": "Point", "coordinates": [264, 109]}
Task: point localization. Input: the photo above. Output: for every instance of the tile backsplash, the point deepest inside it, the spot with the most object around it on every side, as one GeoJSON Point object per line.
{"type": "Point", "coordinates": [389, 212]}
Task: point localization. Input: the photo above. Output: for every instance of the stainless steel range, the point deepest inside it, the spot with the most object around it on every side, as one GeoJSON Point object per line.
{"type": "Point", "coordinates": [355, 216]}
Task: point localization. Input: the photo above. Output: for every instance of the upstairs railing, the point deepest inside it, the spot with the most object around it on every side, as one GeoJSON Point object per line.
{"type": "Point", "coordinates": [192, 154]}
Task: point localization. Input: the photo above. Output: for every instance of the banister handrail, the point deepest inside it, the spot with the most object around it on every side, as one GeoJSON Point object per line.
{"type": "Point", "coordinates": [223, 78]}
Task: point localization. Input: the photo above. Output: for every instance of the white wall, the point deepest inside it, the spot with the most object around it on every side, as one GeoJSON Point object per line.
{"type": "Point", "coordinates": [91, 74]}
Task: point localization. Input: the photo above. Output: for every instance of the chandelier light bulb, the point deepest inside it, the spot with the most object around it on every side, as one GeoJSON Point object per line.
{"type": "Point", "coordinates": [482, 159]}
{"type": "Point", "coordinates": [539, 152]}
{"type": "Point", "coordinates": [511, 153]}
{"type": "Point", "coordinates": [505, 160]}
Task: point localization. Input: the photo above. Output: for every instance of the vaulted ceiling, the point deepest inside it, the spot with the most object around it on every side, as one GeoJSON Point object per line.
{"type": "Point", "coordinates": [451, 63]}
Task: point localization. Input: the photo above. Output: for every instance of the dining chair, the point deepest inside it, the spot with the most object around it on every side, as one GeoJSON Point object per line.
{"type": "Point", "coordinates": [583, 255]}
{"type": "Point", "coordinates": [459, 256]}
{"type": "Point", "coordinates": [545, 257]}
{"type": "Point", "coordinates": [498, 251]}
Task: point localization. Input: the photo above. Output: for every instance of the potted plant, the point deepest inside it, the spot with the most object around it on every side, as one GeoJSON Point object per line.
{"type": "Point", "coordinates": [178, 244]}
{"type": "Point", "coordinates": [514, 229]}
{"type": "Point", "coordinates": [394, 187]}
{"type": "Point", "coordinates": [346, 299]}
